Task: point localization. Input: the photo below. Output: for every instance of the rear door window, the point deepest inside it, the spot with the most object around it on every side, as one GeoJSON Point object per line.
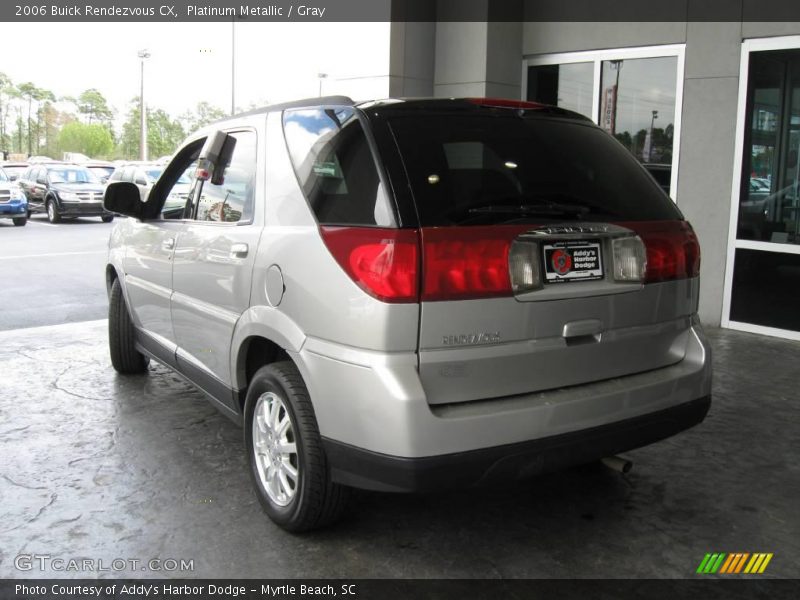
{"type": "Point", "coordinates": [335, 167]}
{"type": "Point", "coordinates": [490, 169]}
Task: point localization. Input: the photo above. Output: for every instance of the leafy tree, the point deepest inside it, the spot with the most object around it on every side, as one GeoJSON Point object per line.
{"type": "Point", "coordinates": [92, 140]}
{"type": "Point", "coordinates": [93, 105]}
{"type": "Point", "coordinates": [5, 105]}
{"type": "Point", "coordinates": [28, 91]}
{"type": "Point", "coordinates": [163, 133]}
{"type": "Point", "coordinates": [205, 113]}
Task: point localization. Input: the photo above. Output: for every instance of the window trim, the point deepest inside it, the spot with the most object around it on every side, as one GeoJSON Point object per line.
{"type": "Point", "coordinates": [597, 57]}
{"type": "Point", "coordinates": [789, 42]}
{"type": "Point", "coordinates": [196, 190]}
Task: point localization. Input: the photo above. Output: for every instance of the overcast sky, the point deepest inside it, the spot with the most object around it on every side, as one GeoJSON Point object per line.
{"type": "Point", "coordinates": [191, 62]}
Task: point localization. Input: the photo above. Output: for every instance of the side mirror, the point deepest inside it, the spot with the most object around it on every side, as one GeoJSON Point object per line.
{"type": "Point", "coordinates": [123, 198]}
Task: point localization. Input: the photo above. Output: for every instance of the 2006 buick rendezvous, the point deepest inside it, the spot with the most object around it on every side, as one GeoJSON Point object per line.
{"type": "Point", "coordinates": [413, 295]}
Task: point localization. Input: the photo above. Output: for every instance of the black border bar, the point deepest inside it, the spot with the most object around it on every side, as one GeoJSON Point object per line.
{"type": "Point", "coordinates": [699, 588]}
{"type": "Point", "coordinates": [631, 11]}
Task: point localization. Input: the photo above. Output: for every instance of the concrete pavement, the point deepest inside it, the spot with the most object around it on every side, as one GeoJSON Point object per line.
{"type": "Point", "coordinates": [99, 466]}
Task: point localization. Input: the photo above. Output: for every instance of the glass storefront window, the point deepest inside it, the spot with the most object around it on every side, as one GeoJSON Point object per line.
{"type": "Point", "coordinates": [633, 99]}
{"type": "Point", "coordinates": [769, 203]}
{"type": "Point", "coordinates": [637, 106]}
{"type": "Point", "coordinates": [568, 86]}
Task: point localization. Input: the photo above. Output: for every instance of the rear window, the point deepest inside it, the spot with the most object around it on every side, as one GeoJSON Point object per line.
{"type": "Point", "coordinates": [335, 167]}
{"type": "Point", "coordinates": [491, 169]}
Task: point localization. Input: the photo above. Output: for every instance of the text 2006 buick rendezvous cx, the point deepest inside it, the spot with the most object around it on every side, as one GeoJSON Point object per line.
{"type": "Point", "coordinates": [413, 295]}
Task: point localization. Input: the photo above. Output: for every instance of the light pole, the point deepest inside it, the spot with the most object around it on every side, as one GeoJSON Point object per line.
{"type": "Point", "coordinates": [652, 122]}
{"type": "Point", "coordinates": [143, 54]}
{"type": "Point", "coordinates": [321, 76]}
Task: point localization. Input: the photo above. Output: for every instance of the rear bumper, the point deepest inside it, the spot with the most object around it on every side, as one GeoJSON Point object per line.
{"type": "Point", "coordinates": [374, 415]}
{"type": "Point", "coordinates": [370, 470]}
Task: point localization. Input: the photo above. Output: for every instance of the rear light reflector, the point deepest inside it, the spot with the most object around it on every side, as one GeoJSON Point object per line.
{"type": "Point", "coordinates": [673, 251]}
{"type": "Point", "coordinates": [461, 263]}
{"type": "Point", "coordinates": [630, 259]}
{"type": "Point", "coordinates": [383, 262]}
{"type": "Point", "coordinates": [525, 266]}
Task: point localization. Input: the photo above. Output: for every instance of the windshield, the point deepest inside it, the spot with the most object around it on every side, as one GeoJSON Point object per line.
{"type": "Point", "coordinates": [101, 171]}
{"type": "Point", "coordinates": [490, 169]}
{"type": "Point", "coordinates": [71, 175]}
{"type": "Point", "coordinates": [3, 176]}
{"type": "Point", "coordinates": [14, 172]}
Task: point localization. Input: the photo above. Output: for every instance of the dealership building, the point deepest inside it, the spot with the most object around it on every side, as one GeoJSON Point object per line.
{"type": "Point", "coordinates": [711, 108]}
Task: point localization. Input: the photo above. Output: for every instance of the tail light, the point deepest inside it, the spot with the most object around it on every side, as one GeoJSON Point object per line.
{"type": "Point", "coordinates": [673, 251]}
{"type": "Point", "coordinates": [460, 263]}
{"type": "Point", "coordinates": [630, 259]}
{"type": "Point", "coordinates": [383, 262]}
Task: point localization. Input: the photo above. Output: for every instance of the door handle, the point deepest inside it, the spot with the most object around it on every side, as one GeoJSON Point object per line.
{"type": "Point", "coordinates": [168, 244]}
{"type": "Point", "coordinates": [239, 250]}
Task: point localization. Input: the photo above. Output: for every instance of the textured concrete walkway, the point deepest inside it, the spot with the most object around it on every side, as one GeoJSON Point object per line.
{"type": "Point", "coordinates": [94, 465]}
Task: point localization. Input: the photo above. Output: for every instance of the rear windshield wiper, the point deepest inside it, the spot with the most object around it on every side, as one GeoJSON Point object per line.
{"type": "Point", "coordinates": [544, 208]}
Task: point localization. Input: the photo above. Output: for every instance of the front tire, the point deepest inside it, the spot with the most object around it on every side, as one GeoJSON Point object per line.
{"type": "Point", "coordinates": [52, 212]}
{"type": "Point", "coordinates": [287, 462]}
{"type": "Point", "coordinates": [125, 358]}
{"type": "Point", "coordinates": [107, 218]}
{"type": "Point", "coordinates": [20, 221]}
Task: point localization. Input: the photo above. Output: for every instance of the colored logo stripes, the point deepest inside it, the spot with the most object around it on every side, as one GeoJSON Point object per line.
{"type": "Point", "coordinates": [735, 562]}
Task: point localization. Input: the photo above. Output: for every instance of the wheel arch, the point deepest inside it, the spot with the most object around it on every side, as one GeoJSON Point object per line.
{"type": "Point", "coordinates": [263, 335]}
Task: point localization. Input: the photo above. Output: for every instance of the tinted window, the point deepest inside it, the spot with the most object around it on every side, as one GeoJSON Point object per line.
{"type": "Point", "coordinates": [335, 167]}
{"type": "Point", "coordinates": [486, 169]}
{"type": "Point", "coordinates": [232, 201]}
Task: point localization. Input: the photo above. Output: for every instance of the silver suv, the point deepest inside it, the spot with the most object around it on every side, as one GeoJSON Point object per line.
{"type": "Point", "coordinates": [411, 295]}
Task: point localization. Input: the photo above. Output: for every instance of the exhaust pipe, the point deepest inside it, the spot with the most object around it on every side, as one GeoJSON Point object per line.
{"type": "Point", "coordinates": [618, 463]}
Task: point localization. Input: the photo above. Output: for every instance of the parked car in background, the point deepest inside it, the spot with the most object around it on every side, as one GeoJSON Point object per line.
{"type": "Point", "coordinates": [40, 159]}
{"type": "Point", "coordinates": [145, 174]}
{"type": "Point", "coordinates": [14, 169]}
{"type": "Point", "coordinates": [63, 190]}
{"type": "Point", "coordinates": [413, 295]}
{"type": "Point", "coordinates": [102, 169]}
{"type": "Point", "coordinates": [13, 204]}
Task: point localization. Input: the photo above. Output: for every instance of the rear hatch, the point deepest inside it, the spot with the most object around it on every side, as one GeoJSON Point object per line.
{"type": "Point", "coordinates": [549, 257]}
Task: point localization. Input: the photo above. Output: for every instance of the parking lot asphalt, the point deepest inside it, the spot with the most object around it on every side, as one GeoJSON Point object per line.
{"type": "Point", "coordinates": [52, 274]}
{"type": "Point", "coordinates": [104, 467]}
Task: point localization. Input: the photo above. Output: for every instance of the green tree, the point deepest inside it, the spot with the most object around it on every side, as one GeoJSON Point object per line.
{"type": "Point", "coordinates": [204, 114]}
{"type": "Point", "coordinates": [93, 105]}
{"type": "Point", "coordinates": [92, 140]}
{"type": "Point", "coordinates": [5, 105]}
{"type": "Point", "coordinates": [163, 133]}
{"type": "Point", "coordinates": [29, 92]}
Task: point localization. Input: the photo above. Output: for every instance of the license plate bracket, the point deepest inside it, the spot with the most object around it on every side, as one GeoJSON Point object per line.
{"type": "Point", "coordinates": [571, 261]}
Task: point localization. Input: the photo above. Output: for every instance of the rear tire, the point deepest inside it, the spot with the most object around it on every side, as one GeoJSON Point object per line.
{"type": "Point", "coordinates": [125, 358]}
{"type": "Point", "coordinates": [20, 221]}
{"type": "Point", "coordinates": [52, 212]}
{"type": "Point", "coordinates": [287, 441]}
{"type": "Point", "coordinates": [107, 218]}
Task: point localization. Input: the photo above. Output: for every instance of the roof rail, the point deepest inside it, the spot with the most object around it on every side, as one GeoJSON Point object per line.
{"type": "Point", "coordinates": [306, 102]}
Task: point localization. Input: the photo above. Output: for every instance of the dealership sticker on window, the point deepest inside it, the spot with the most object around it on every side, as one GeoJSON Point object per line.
{"type": "Point", "coordinates": [572, 261]}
